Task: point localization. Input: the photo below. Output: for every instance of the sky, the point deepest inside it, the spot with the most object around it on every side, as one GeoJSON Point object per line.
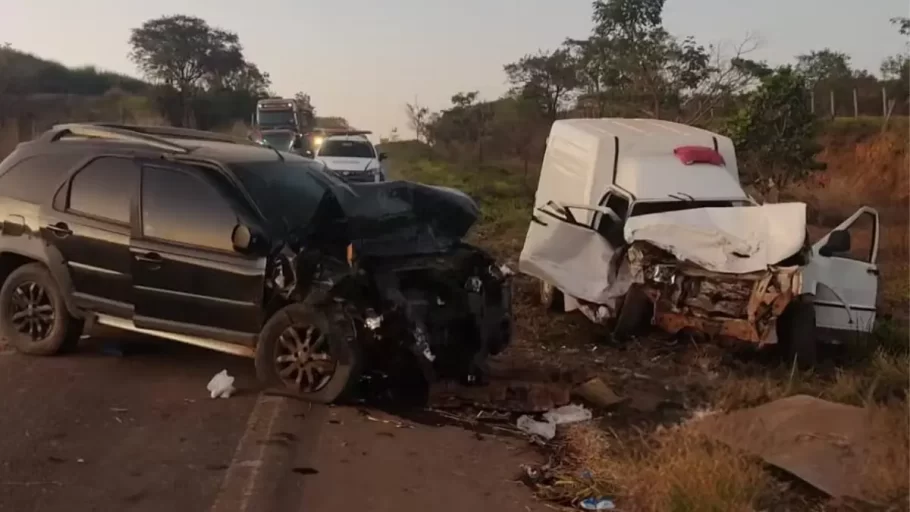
{"type": "Point", "coordinates": [365, 59]}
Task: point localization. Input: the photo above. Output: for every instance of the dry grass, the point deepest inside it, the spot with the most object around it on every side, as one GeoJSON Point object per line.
{"type": "Point", "coordinates": [671, 470]}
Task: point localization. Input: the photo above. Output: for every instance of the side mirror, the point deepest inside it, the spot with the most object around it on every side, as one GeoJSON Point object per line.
{"type": "Point", "coordinates": [383, 156]}
{"type": "Point", "coordinates": [838, 241]}
{"type": "Point", "coordinates": [246, 240]}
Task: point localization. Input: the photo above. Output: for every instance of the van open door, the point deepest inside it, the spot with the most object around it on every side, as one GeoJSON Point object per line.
{"type": "Point", "coordinates": [844, 276]}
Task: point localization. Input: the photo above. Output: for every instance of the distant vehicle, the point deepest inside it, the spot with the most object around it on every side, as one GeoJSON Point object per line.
{"type": "Point", "coordinates": [641, 221]}
{"type": "Point", "coordinates": [222, 243]}
{"type": "Point", "coordinates": [352, 156]}
{"type": "Point", "coordinates": [276, 119]}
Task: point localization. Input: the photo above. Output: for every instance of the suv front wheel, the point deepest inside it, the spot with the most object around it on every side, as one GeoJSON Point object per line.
{"type": "Point", "coordinates": [34, 315]}
{"type": "Point", "coordinates": [311, 353]}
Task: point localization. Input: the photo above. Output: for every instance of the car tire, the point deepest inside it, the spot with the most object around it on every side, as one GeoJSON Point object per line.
{"type": "Point", "coordinates": [33, 313]}
{"type": "Point", "coordinates": [796, 333]}
{"type": "Point", "coordinates": [314, 334]}
{"type": "Point", "coordinates": [551, 298]}
{"type": "Point", "coordinates": [635, 312]}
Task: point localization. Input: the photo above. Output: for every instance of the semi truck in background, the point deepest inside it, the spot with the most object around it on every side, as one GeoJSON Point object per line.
{"type": "Point", "coordinates": [284, 124]}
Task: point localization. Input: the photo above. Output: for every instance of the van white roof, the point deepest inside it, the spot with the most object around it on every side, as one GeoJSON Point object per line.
{"type": "Point", "coordinates": [637, 156]}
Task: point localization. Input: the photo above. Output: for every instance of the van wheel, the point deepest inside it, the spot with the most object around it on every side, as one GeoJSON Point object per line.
{"type": "Point", "coordinates": [33, 314]}
{"type": "Point", "coordinates": [635, 312]}
{"type": "Point", "coordinates": [551, 298]}
{"type": "Point", "coordinates": [310, 354]}
{"type": "Point", "coordinates": [796, 332]}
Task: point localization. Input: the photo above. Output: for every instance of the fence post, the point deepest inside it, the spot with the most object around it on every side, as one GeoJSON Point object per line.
{"type": "Point", "coordinates": [855, 104]}
{"type": "Point", "coordinates": [884, 102]}
{"type": "Point", "coordinates": [812, 99]}
{"type": "Point", "coordinates": [831, 97]}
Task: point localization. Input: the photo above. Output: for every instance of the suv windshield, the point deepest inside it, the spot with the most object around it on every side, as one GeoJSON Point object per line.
{"type": "Point", "coordinates": [276, 117]}
{"type": "Point", "coordinates": [346, 148]}
{"type": "Point", "coordinates": [288, 193]}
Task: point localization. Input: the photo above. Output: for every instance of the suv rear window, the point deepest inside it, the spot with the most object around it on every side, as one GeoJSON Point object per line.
{"type": "Point", "coordinates": [36, 178]}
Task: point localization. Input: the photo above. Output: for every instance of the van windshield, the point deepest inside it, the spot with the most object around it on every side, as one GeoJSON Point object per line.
{"type": "Point", "coordinates": [651, 207]}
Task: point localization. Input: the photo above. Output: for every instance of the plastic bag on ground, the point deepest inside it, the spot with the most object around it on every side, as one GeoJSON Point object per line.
{"type": "Point", "coordinates": [544, 429]}
{"type": "Point", "coordinates": [221, 385]}
{"type": "Point", "coordinates": [568, 414]}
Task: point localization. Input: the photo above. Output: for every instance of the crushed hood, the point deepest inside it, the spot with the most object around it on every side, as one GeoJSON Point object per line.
{"type": "Point", "coordinates": [401, 217]}
{"type": "Point", "coordinates": [347, 164]}
{"type": "Point", "coordinates": [734, 240]}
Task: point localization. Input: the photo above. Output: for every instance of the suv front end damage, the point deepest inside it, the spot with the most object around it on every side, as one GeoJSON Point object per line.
{"type": "Point", "coordinates": [741, 306]}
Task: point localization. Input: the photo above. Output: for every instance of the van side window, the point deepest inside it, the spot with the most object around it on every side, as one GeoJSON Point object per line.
{"type": "Point", "coordinates": [607, 227]}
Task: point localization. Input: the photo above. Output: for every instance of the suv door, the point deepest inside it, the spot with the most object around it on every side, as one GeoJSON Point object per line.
{"type": "Point", "coordinates": [89, 225]}
{"type": "Point", "coordinates": [845, 282]}
{"type": "Point", "coordinates": [187, 277]}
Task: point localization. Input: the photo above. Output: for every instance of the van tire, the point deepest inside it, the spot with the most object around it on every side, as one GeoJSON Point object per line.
{"type": "Point", "coordinates": [64, 331]}
{"type": "Point", "coordinates": [634, 314]}
{"type": "Point", "coordinates": [551, 298]}
{"type": "Point", "coordinates": [796, 333]}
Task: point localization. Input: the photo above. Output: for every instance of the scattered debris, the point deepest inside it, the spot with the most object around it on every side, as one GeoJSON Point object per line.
{"type": "Point", "coordinates": [596, 392]}
{"type": "Point", "coordinates": [305, 471]}
{"type": "Point", "coordinates": [221, 385]}
{"type": "Point", "coordinates": [826, 444]}
{"type": "Point", "coordinates": [119, 409]}
{"type": "Point", "coordinates": [544, 429]}
{"type": "Point", "coordinates": [512, 395]}
{"type": "Point", "coordinates": [561, 416]}
{"type": "Point", "coordinates": [597, 504]}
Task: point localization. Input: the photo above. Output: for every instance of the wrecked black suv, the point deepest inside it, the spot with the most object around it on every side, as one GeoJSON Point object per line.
{"type": "Point", "coordinates": [225, 244]}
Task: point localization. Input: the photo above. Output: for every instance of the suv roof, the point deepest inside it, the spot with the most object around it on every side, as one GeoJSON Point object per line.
{"type": "Point", "coordinates": [111, 137]}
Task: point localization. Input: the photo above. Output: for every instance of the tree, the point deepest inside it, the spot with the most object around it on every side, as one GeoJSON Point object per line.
{"type": "Point", "coordinates": [187, 55]}
{"type": "Point", "coordinates": [632, 59]}
{"type": "Point", "coordinates": [775, 133]}
{"type": "Point", "coordinates": [824, 66]}
{"type": "Point", "coordinates": [417, 119]}
{"type": "Point", "coordinates": [333, 122]}
{"type": "Point", "coordinates": [548, 78]}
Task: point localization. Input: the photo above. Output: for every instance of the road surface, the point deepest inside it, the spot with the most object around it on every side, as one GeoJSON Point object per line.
{"type": "Point", "coordinates": [102, 431]}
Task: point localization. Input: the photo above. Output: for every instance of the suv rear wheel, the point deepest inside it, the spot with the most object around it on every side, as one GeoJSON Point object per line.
{"type": "Point", "coordinates": [309, 354]}
{"type": "Point", "coordinates": [33, 315]}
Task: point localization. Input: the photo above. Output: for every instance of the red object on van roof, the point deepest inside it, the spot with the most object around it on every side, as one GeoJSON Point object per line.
{"type": "Point", "coordinates": [689, 155]}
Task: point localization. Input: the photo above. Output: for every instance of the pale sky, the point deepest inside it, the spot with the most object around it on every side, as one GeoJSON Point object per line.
{"type": "Point", "coordinates": [364, 59]}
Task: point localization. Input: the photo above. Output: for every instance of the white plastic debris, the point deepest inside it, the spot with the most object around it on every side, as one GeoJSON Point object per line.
{"type": "Point", "coordinates": [568, 414]}
{"type": "Point", "coordinates": [544, 429]}
{"type": "Point", "coordinates": [561, 416]}
{"type": "Point", "coordinates": [221, 385]}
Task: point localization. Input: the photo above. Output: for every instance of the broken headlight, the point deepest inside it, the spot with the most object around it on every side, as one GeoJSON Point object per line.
{"type": "Point", "coordinates": [662, 274]}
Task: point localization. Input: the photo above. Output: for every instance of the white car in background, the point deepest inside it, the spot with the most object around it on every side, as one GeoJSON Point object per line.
{"type": "Point", "coordinates": [352, 157]}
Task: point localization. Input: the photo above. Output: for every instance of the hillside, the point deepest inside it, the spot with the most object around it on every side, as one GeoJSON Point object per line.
{"type": "Point", "coordinates": [34, 75]}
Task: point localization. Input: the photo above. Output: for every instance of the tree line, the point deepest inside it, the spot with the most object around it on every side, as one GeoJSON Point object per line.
{"type": "Point", "coordinates": [631, 66]}
{"type": "Point", "coordinates": [195, 75]}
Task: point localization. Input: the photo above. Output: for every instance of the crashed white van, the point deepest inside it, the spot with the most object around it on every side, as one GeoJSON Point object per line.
{"type": "Point", "coordinates": [638, 218]}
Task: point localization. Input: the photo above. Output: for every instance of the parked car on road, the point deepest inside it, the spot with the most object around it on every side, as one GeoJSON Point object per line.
{"type": "Point", "coordinates": [642, 221]}
{"type": "Point", "coordinates": [352, 157]}
{"type": "Point", "coordinates": [240, 248]}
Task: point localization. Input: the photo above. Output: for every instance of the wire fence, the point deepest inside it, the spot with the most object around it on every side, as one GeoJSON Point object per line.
{"type": "Point", "coordinates": [879, 101]}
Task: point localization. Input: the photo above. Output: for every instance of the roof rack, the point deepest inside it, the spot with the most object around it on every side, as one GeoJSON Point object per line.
{"type": "Point", "coordinates": [178, 133]}
{"type": "Point", "coordinates": [100, 131]}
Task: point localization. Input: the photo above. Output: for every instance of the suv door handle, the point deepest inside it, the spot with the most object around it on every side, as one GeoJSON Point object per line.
{"type": "Point", "coordinates": [60, 229]}
{"type": "Point", "coordinates": [149, 257]}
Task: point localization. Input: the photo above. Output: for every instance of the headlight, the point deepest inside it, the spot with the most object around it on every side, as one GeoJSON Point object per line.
{"type": "Point", "coordinates": [317, 141]}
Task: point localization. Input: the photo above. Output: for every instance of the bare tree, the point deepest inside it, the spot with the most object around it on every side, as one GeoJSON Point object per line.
{"type": "Point", "coordinates": [417, 119]}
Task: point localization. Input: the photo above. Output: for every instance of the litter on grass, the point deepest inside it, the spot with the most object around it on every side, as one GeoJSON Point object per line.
{"type": "Point", "coordinates": [562, 416]}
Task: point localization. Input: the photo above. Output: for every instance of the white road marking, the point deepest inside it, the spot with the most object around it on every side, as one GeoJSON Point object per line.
{"type": "Point", "coordinates": [243, 472]}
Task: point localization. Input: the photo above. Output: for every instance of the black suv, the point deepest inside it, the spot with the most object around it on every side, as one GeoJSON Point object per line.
{"type": "Point", "coordinates": [229, 245]}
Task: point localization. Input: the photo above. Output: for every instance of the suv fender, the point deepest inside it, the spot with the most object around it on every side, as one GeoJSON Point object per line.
{"type": "Point", "coordinates": [34, 250]}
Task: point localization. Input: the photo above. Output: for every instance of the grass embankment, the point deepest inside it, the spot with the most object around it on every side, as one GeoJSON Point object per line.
{"type": "Point", "coordinates": [676, 468]}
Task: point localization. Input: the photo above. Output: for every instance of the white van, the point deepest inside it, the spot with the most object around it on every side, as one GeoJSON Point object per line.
{"type": "Point", "coordinates": [641, 219]}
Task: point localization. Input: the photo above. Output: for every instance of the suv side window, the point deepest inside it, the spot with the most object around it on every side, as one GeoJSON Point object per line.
{"type": "Point", "coordinates": [34, 179]}
{"type": "Point", "coordinates": [104, 189]}
{"type": "Point", "coordinates": [181, 208]}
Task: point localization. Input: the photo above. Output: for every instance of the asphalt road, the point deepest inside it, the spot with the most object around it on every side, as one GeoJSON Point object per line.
{"type": "Point", "coordinates": [103, 431]}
